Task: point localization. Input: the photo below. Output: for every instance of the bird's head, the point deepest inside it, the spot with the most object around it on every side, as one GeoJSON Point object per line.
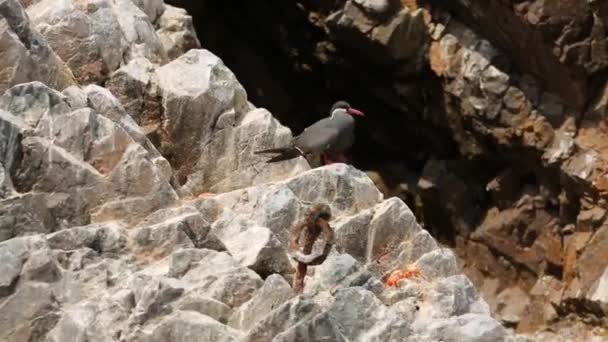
{"type": "Point", "coordinates": [343, 106]}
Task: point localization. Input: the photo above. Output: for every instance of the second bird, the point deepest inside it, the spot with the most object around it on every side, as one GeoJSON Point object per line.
{"type": "Point", "coordinates": [329, 137]}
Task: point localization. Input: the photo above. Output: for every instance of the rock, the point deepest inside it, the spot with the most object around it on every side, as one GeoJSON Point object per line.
{"type": "Point", "coordinates": [153, 296]}
{"type": "Point", "coordinates": [297, 310]}
{"type": "Point", "coordinates": [512, 305]}
{"type": "Point", "coordinates": [331, 273]}
{"type": "Point", "coordinates": [258, 249]}
{"type": "Point", "coordinates": [235, 140]}
{"type": "Point", "coordinates": [167, 230]}
{"type": "Point", "coordinates": [222, 278]}
{"type": "Point", "coordinates": [197, 300]}
{"type": "Point", "coordinates": [152, 8]}
{"type": "Point", "coordinates": [437, 263]}
{"type": "Point", "coordinates": [176, 32]}
{"type": "Point", "coordinates": [132, 84]}
{"type": "Point", "coordinates": [92, 150]}
{"type": "Point", "coordinates": [192, 326]}
{"type": "Point", "coordinates": [19, 311]}
{"type": "Point", "coordinates": [14, 254]}
{"type": "Point", "coordinates": [450, 297]}
{"type": "Point", "coordinates": [41, 267]}
{"type": "Point", "coordinates": [106, 237]}
{"type": "Point", "coordinates": [141, 38]}
{"type": "Point", "coordinates": [203, 82]}
{"type": "Point", "coordinates": [351, 234]}
{"type": "Point", "coordinates": [271, 295]}
{"type": "Point", "coordinates": [88, 38]}
{"type": "Point", "coordinates": [392, 224]}
{"type": "Point", "coordinates": [360, 316]}
{"type": "Point", "coordinates": [25, 54]}
{"type": "Point", "coordinates": [468, 327]}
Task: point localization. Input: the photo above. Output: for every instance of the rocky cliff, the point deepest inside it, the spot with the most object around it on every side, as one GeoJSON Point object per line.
{"type": "Point", "coordinates": [133, 209]}
{"type": "Point", "coordinates": [487, 117]}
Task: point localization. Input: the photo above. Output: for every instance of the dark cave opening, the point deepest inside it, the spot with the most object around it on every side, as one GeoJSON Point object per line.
{"type": "Point", "coordinates": [289, 66]}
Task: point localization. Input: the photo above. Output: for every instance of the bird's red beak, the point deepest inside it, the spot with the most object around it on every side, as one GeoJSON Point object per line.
{"type": "Point", "coordinates": [354, 111]}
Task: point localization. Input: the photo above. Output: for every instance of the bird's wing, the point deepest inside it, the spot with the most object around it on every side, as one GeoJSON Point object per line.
{"type": "Point", "coordinates": [316, 139]}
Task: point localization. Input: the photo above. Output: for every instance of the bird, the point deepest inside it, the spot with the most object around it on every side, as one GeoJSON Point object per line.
{"type": "Point", "coordinates": [330, 136]}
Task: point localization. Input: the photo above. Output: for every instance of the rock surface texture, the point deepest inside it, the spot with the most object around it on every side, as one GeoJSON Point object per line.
{"type": "Point", "coordinates": [104, 235]}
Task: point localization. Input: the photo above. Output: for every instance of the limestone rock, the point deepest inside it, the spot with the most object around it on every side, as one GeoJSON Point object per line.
{"type": "Point", "coordinates": [192, 326]}
{"type": "Point", "coordinates": [141, 38]}
{"type": "Point", "coordinates": [20, 311]}
{"type": "Point", "coordinates": [152, 8]}
{"type": "Point", "coordinates": [15, 253]}
{"type": "Point", "coordinates": [133, 85]}
{"type": "Point", "coordinates": [196, 80]}
{"type": "Point", "coordinates": [25, 54]}
{"type": "Point", "coordinates": [271, 295]}
{"type": "Point", "coordinates": [222, 278]}
{"type": "Point", "coordinates": [196, 300]}
{"type": "Point", "coordinates": [235, 139]}
{"type": "Point", "coordinates": [88, 38]}
{"type": "Point", "coordinates": [176, 32]}
{"type": "Point", "coordinates": [98, 158]}
{"type": "Point", "coordinates": [258, 249]}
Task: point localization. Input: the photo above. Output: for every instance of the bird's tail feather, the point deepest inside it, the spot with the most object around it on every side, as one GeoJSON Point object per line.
{"type": "Point", "coordinates": [285, 153]}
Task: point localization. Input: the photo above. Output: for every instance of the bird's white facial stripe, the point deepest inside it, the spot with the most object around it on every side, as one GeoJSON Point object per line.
{"type": "Point", "coordinates": [336, 111]}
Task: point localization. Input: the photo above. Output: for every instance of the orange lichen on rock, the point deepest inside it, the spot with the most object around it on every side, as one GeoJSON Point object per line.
{"type": "Point", "coordinates": [408, 272]}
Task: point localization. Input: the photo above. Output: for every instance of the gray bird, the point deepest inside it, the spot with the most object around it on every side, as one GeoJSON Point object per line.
{"type": "Point", "coordinates": [329, 136]}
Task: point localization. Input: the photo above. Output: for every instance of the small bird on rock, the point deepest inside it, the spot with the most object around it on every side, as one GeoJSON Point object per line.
{"type": "Point", "coordinates": [329, 137]}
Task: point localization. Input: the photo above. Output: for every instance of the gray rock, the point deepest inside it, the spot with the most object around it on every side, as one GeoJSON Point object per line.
{"type": "Point", "coordinates": [223, 278]}
{"type": "Point", "coordinates": [132, 84]}
{"type": "Point", "coordinates": [375, 6]}
{"type": "Point", "coordinates": [169, 229]}
{"type": "Point", "coordinates": [108, 237]}
{"type": "Point", "coordinates": [176, 32]}
{"type": "Point", "coordinates": [360, 316]}
{"type": "Point", "coordinates": [468, 327]}
{"type": "Point", "coordinates": [392, 223]}
{"type": "Point", "coordinates": [351, 234]}
{"type": "Point", "coordinates": [140, 36]}
{"type": "Point", "coordinates": [336, 271]}
{"type": "Point", "coordinates": [197, 80]}
{"type": "Point", "coordinates": [271, 295]}
{"type": "Point", "coordinates": [438, 263]}
{"type": "Point", "coordinates": [19, 311]}
{"type": "Point", "coordinates": [25, 54]}
{"type": "Point", "coordinates": [319, 328]}
{"type": "Point", "coordinates": [235, 139]}
{"type": "Point", "coordinates": [153, 296]}
{"type": "Point", "coordinates": [298, 310]}
{"type": "Point", "coordinates": [152, 8]}
{"type": "Point", "coordinates": [191, 326]}
{"type": "Point", "coordinates": [452, 296]}
{"type": "Point", "coordinates": [14, 254]}
{"type": "Point", "coordinates": [258, 249]}
{"type": "Point", "coordinates": [197, 300]}
{"type": "Point", "coordinates": [41, 267]}
{"type": "Point", "coordinates": [85, 34]}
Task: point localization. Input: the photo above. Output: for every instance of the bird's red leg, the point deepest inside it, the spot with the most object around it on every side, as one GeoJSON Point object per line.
{"type": "Point", "coordinates": [325, 160]}
{"type": "Point", "coordinates": [340, 158]}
